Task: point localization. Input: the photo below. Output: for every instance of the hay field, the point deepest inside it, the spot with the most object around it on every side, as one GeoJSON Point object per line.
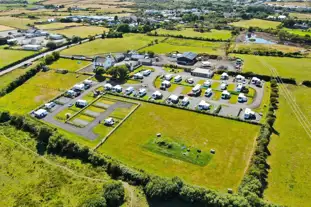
{"type": "Point", "coordinates": [264, 24]}
{"type": "Point", "coordinates": [225, 170]}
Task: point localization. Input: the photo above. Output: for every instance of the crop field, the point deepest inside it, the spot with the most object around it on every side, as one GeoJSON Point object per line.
{"type": "Point", "coordinates": [213, 34]}
{"type": "Point", "coordinates": [300, 69]}
{"type": "Point", "coordinates": [20, 23]}
{"type": "Point", "coordinates": [183, 45]}
{"type": "Point", "coordinates": [38, 90]}
{"type": "Point", "coordinates": [82, 32]}
{"type": "Point", "coordinates": [70, 65]}
{"type": "Point", "coordinates": [57, 25]}
{"type": "Point", "coordinates": [264, 24]}
{"type": "Point", "coordinates": [253, 47]}
{"type": "Point", "coordinates": [10, 56]}
{"type": "Point", "coordinates": [5, 28]}
{"type": "Point", "coordinates": [102, 46]}
{"type": "Point", "coordinates": [224, 169]}
{"type": "Point", "coordinates": [289, 178]}
{"type": "Point", "coordinates": [298, 31]}
{"type": "Point", "coordinates": [304, 16]}
{"type": "Point", "coordinates": [23, 173]}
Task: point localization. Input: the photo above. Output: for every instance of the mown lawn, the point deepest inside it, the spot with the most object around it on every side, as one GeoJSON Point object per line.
{"type": "Point", "coordinates": [225, 170]}
{"type": "Point", "coordinates": [10, 56]}
{"type": "Point", "coordinates": [26, 180]}
{"type": "Point", "coordinates": [264, 24]}
{"type": "Point", "coordinates": [70, 65]}
{"type": "Point", "coordinates": [289, 178]}
{"type": "Point", "coordinates": [101, 46]}
{"type": "Point", "coordinates": [83, 31]}
{"type": "Point", "coordinates": [38, 90]}
{"type": "Point", "coordinates": [188, 32]}
{"type": "Point", "coordinates": [300, 69]}
{"type": "Point", "coordinates": [184, 45]}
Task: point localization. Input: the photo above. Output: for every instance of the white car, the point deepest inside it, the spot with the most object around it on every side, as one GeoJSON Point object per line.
{"type": "Point", "coordinates": [129, 90]}
{"type": "Point", "coordinates": [146, 72]}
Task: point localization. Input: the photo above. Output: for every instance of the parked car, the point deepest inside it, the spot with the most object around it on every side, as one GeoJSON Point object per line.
{"type": "Point", "coordinates": [146, 72]}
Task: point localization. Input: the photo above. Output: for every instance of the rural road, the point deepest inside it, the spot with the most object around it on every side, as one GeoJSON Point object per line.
{"type": "Point", "coordinates": [40, 56]}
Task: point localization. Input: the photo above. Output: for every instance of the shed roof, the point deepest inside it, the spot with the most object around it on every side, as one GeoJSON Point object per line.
{"type": "Point", "coordinates": [202, 71]}
{"type": "Point", "coordinates": [189, 55]}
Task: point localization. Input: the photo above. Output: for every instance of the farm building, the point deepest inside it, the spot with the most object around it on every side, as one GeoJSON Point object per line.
{"type": "Point", "coordinates": [187, 58]}
{"type": "Point", "coordinates": [56, 37]}
{"type": "Point", "coordinates": [205, 73]}
{"type": "Point", "coordinates": [32, 47]}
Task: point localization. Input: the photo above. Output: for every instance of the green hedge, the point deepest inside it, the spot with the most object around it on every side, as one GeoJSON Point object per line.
{"type": "Point", "coordinates": [255, 180]}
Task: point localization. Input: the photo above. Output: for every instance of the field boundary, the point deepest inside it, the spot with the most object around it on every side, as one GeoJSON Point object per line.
{"type": "Point", "coordinates": [115, 128]}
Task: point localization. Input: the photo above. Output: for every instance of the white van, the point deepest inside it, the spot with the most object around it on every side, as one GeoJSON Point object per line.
{"type": "Point", "coordinates": [196, 89]}
{"type": "Point", "coordinates": [185, 101]}
{"type": "Point", "coordinates": [129, 90]}
{"type": "Point", "coordinates": [168, 77]}
{"type": "Point", "coordinates": [208, 92]}
{"type": "Point", "coordinates": [142, 92]}
{"type": "Point", "coordinates": [177, 78]}
{"type": "Point", "coordinates": [146, 72]}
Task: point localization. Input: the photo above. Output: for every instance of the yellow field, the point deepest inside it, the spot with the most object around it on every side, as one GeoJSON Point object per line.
{"type": "Point", "coordinates": [5, 28]}
{"type": "Point", "coordinates": [57, 25]}
{"type": "Point", "coordinates": [20, 23]}
{"type": "Point", "coordinates": [83, 31]}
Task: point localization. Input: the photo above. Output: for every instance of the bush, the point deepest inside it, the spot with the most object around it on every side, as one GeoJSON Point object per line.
{"type": "Point", "coordinates": [114, 193]}
{"type": "Point", "coordinates": [161, 188]}
{"type": "Point", "coordinates": [95, 201]}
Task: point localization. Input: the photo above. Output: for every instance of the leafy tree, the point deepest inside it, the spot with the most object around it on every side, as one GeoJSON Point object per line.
{"type": "Point", "coordinates": [95, 201]}
{"type": "Point", "coordinates": [49, 59]}
{"type": "Point", "coordinates": [75, 39]}
{"type": "Point", "coordinates": [56, 55]}
{"type": "Point", "coordinates": [161, 188]}
{"type": "Point", "coordinates": [119, 72]}
{"type": "Point", "coordinates": [114, 193]}
{"type": "Point", "coordinates": [51, 45]}
{"type": "Point", "coordinates": [124, 28]}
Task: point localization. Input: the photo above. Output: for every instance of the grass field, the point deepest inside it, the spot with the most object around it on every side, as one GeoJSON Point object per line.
{"type": "Point", "coordinates": [9, 77]}
{"type": "Point", "coordinates": [298, 31]}
{"type": "Point", "coordinates": [101, 46]}
{"type": "Point", "coordinates": [264, 24]}
{"type": "Point", "coordinates": [254, 47]}
{"type": "Point", "coordinates": [188, 32]}
{"type": "Point", "coordinates": [20, 23]}
{"type": "Point", "coordinates": [57, 25]}
{"type": "Point", "coordinates": [37, 90]}
{"type": "Point", "coordinates": [70, 65]}
{"type": "Point", "coordinates": [289, 178]}
{"type": "Point", "coordinates": [5, 28]}
{"type": "Point", "coordinates": [300, 69]}
{"type": "Point", "coordinates": [225, 170]}
{"type": "Point", "coordinates": [304, 16]}
{"type": "Point", "coordinates": [183, 45]}
{"type": "Point", "coordinates": [83, 31]}
{"type": "Point", "coordinates": [10, 56]}
{"type": "Point", "coordinates": [26, 180]}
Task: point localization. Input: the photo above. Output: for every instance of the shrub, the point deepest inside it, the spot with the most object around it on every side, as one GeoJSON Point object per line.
{"type": "Point", "coordinates": [114, 193]}
{"type": "Point", "coordinates": [161, 188]}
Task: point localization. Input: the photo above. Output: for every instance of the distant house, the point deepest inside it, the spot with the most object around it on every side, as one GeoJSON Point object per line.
{"type": "Point", "coordinates": [105, 62]}
{"type": "Point", "coordinates": [187, 58]}
{"type": "Point", "coordinates": [301, 26]}
{"type": "Point", "coordinates": [205, 73]}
